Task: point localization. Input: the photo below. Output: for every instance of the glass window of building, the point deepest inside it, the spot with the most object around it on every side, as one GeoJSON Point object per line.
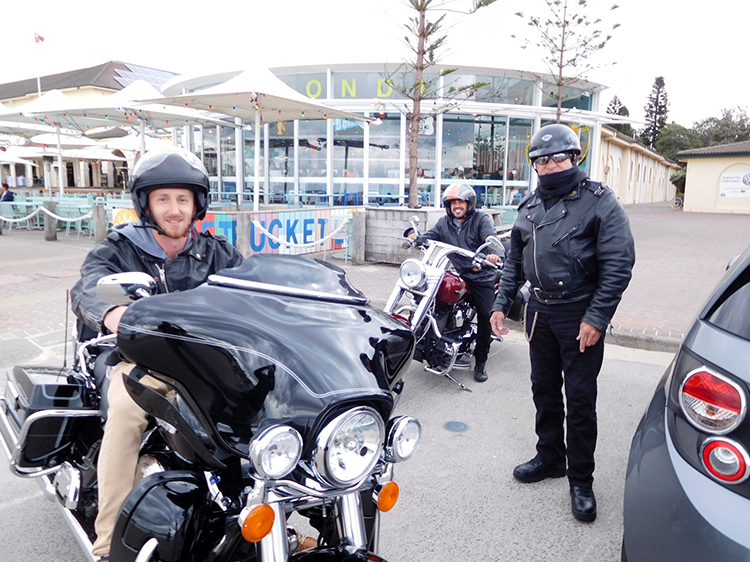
{"type": "Point", "coordinates": [489, 158]}
{"type": "Point", "coordinates": [384, 154]}
{"type": "Point", "coordinates": [348, 160]}
{"type": "Point", "coordinates": [517, 171]}
{"type": "Point", "coordinates": [313, 152]}
{"type": "Point", "coordinates": [248, 137]}
{"type": "Point", "coordinates": [426, 162]}
{"type": "Point", "coordinates": [228, 159]}
{"type": "Point", "coordinates": [458, 146]}
{"type": "Point", "coordinates": [501, 89]}
{"type": "Point", "coordinates": [572, 98]}
{"type": "Point", "coordinates": [280, 160]}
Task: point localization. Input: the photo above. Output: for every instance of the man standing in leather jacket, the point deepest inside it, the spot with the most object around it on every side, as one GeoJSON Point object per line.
{"type": "Point", "coordinates": [572, 242]}
{"type": "Point", "coordinates": [467, 228]}
{"type": "Point", "coordinates": [170, 192]}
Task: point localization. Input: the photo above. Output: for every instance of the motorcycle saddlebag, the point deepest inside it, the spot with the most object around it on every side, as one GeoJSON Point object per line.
{"type": "Point", "coordinates": [30, 390]}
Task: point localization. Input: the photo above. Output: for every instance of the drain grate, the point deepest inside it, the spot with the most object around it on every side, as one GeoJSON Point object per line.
{"type": "Point", "coordinates": [456, 426]}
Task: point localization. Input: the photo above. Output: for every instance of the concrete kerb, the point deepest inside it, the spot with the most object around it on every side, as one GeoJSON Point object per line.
{"type": "Point", "coordinates": [622, 338]}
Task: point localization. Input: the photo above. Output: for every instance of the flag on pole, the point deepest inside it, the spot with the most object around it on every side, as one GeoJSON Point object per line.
{"type": "Point", "coordinates": [38, 38]}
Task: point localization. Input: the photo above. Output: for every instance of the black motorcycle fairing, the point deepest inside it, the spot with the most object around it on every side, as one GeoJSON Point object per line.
{"type": "Point", "coordinates": [174, 507]}
{"type": "Point", "coordinates": [295, 272]}
{"type": "Point", "coordinates": [245, 357]}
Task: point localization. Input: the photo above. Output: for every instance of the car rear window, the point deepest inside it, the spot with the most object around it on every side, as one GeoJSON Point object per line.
{"type": "Point", "coordinates": [731, 312]}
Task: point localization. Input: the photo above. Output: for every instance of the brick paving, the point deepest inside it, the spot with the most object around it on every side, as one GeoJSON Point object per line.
{"type": "Point", "coordinates": [680, 257]}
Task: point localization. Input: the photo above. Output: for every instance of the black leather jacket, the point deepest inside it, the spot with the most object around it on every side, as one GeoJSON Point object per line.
{"type": "Point", "coordinates": [581, 249]}
{"type": "Point", "coordinates": [117, 254]}
{"type": "Point", "coordinates": [472, 233]}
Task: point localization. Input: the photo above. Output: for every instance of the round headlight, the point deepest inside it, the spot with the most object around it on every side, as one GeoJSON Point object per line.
{"type": "Point", "coordinates": [276, 451]}
{"type": "Point", "coordinates": [412, 273]}
{"type": "Point", "coordinates": [404, 437]}
{"type": "Point", "coordinates": [349, 446]}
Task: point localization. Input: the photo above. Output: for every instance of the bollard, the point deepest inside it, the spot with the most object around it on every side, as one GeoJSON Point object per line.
{"type": "Point", "coordinates": [244, 233]}
{"type": "Point", "coordinates": [358, 237]}
{"type": "Point", "coordinates": [99, 215]}
{"type": "Point", "coordinates": [50, 224]}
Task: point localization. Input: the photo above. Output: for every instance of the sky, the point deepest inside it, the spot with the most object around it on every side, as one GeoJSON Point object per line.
{"type": "Point", "coordinates": [699, 48]}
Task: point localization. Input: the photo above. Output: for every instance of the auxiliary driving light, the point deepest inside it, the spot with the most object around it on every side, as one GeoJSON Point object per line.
{"type": "Point", "coordinates": [404, 434]}
{"type": "Point", "coordinates": [276, 451]}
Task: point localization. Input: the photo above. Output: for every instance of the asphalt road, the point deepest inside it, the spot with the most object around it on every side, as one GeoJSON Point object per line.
{"type": "Point", "coordinates": [459, 500]}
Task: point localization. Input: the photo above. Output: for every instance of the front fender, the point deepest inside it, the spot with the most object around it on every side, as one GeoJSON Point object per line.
{"type": "Point", "coordinates": [345, 554]}
{"type": "Point", "coordinates": [175, 508]}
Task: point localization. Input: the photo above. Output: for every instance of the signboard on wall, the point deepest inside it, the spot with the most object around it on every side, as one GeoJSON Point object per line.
{"type": "Point", "coordinates": [734, 184]}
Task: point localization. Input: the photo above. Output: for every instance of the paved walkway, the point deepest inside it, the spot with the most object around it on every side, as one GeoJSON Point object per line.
{"type": "Point", "coordinates": [680, 258]}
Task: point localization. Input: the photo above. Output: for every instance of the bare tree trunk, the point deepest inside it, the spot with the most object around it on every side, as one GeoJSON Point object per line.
{"type": "Point", "coordinates": [416, 115]}
{"type": "Point", "coordinates": [560, 66]}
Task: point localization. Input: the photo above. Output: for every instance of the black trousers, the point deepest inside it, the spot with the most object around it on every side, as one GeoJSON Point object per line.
{"type": "Point", "coordinates": [482, 296]}
{"type": "Point", "coordinates": [556, 361]}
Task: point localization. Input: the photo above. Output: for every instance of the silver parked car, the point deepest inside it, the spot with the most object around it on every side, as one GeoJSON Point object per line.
{"type": "Point", "coordinates": [687, 493]}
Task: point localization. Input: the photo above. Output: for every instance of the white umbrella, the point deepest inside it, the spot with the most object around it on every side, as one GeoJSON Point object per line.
{"type": "Point", "coordinates": [258, 95]}
{"type": "Point", "coordinates": [133, 142]}
{"type": "Point", "coordinates": [56, 108]}
{"type": "Point", "coordinates": [66, 141]}
{"type": "Point", "coordinates": [6, 158]}
{"type": "Point", "coordinates": [258, 92]}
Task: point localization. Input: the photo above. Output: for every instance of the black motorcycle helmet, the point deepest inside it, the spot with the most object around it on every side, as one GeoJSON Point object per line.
{"type": "Point", "coordinates": [171, 167]}
{"type": "Point", "coordinates": [460, 191]}
{"type": "Point", "coordinates": [552, 139]}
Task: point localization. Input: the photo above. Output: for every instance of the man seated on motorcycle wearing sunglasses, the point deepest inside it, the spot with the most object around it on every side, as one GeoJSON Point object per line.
{"type": "Point", "coordinates": [170, 192]}
{"type": "Point", "coordinates": [572, 242]}
{"type": "Point", "coordinates": [467, 228]}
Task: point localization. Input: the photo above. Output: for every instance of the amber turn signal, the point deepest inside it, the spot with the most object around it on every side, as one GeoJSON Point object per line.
{"type": "Point", "coordinates": [258, 523]}
{"type": "Point", "coordinates": [387, 496]}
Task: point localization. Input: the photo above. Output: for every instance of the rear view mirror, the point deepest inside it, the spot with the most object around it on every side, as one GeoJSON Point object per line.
{"type": "Point", "coordinates": [124, 288]}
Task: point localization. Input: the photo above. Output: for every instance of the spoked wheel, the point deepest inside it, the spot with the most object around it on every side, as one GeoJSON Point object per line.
{"type": "Point", "coordinates": [676, 203]}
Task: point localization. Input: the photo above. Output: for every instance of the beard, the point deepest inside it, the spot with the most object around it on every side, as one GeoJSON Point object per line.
{"type": "Point", "coordinates": [170, 231]}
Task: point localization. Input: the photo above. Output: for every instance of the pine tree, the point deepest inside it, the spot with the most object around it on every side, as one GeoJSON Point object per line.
{"type": "Point", "coordinates": [566, 39]}
{"type": "Point", "coordinates": [616, 107]}
{"type": "Point", "coordinates": [656, 113]}
{"type": "Point", "coordinates": [424, 40]}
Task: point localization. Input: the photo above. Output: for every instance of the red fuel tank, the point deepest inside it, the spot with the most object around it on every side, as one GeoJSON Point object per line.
{"type": "Point", "coordinates": [452, 289]}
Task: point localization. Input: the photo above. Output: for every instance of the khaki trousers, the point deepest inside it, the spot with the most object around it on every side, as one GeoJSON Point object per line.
{"type": "Point", "coordinates": [118, 456]}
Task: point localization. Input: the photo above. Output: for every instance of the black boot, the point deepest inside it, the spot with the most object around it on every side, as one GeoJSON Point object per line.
{"type": "Point", "coordinates": [535, 470]}
{"type": "Point", "coordinates": [583, 503]}
{"type": "Point", "coordinates": [480, 375]}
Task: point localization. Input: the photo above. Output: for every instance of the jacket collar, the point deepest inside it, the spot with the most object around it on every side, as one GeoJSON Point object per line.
{"type": "Point", "coordinates": [539, 216]}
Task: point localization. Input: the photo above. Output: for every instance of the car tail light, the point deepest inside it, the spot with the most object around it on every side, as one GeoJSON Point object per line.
{"type": "Point", "coordinates": [725, 460]}
{"type": "Point", "coordinates": [712, 402]}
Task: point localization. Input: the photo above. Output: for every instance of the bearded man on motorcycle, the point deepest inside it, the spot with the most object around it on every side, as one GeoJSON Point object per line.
{"type": "Point", "coordinates": [170, 192]}
{"type": "Point", "coordinates": [467, 228]}
{"type": "Point", "coordinates": [572, 242]}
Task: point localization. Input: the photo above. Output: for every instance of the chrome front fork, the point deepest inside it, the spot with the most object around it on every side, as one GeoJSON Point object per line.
{"type": "Point", "coordinates": [274, 547]}
{"type": "Point", "coordinates": [349, 520]}
{"type": "Point", "coordinates": [350, 525]}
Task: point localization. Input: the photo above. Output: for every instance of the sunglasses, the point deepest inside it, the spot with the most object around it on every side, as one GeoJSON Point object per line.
{"type": "Point", "coordinates": [557, 158]}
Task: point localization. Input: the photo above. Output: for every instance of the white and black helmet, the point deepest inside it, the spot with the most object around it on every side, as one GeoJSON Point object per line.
{"type": "Point", "coordinates": [170, 167]}
{"type": "Point", "coordinates": [554, 139]}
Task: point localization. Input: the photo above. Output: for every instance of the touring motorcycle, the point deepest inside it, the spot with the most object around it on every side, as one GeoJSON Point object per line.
{"type": "Point", "coordinates": [282, 385]}
{"type": "Point", "coordinates": [434, 301]}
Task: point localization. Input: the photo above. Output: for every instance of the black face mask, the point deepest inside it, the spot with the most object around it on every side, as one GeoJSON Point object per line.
{"type": "Point", "coordinates": [560, 183]}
